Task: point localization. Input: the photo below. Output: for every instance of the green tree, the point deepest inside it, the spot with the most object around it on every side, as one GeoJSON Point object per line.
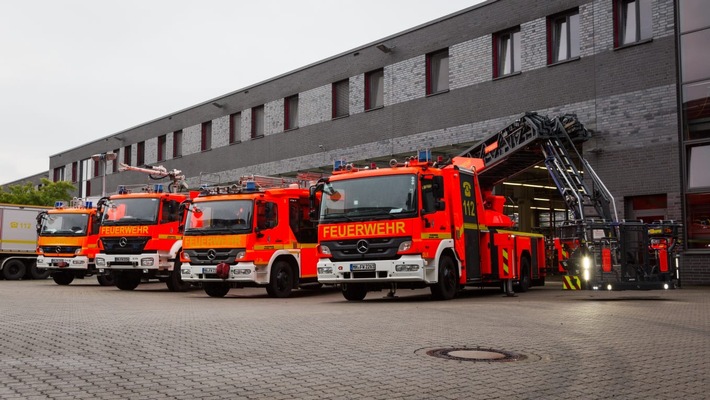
{"type": "Point", "coordinates": [46, 195]}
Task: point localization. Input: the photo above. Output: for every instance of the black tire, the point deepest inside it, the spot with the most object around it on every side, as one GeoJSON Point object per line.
{"type": "Point", "coordinates": [281, 281]}
{"type": "Point", "coordinates": [175, 282]}
{"type": "Point", "coordinates": [62, 278]}
{"type": "Point", "coordinates": [216, 289]}
{"type": "Point", "coordinates": [127, 280]}
{"type": "Point", "coordinates": [524, 282]}
{"type": "Point", "coordinates": [14, 270]}
{"type": "Point", "coordinates": [37, 273]}
{"type": "Point", "coordinates": [106, 279]}
{"type": "Point", "coordinates": [354, 291]}
{"type": "Point", "coordinates": [448, 284]}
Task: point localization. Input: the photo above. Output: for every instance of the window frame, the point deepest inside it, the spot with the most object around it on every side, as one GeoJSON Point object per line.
{"type": "Point", "coordinates": [291, 112]}
{"type": "Point", "coordinates": [553, 40]}
{"type": "Point", "coordinates": [177, 143]}
{"type": "Point", "coordinates": [620, 17]}
{"type": "Point", "coordinates": [140, 154]}
{"type": "Point", "coordinates": [345, 83]}
{"type": "Point", "coordinates": [431, 63]}
{"type": "Point", "coordinates": [368, 90]}
{"type": "Point", "coordinates": [257, 129]}
{"type": "Point", "coordinates": [206, 136]}
{"type": "Point", "coordinates": [497, 45]}
{"type": "Point", "coordinates": [162, 140]}
{"type": "Point", "coordinates": [127, 154]}
{"type": "Point", "coordinates": [235, 128]}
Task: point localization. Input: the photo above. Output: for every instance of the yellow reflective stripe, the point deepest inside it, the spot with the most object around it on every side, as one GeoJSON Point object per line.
{"type": "Point", "coordinates": [269, 247]}
{"type": "Point", "coordinates": [307, 245]}
{"type": "Point", "coordinates": [477, 227]}
{"type": "Point", "coordinates": [443, 235]}
{"type": "Point", "coordinates": [506, 269]}
{"type": "Point", "coordinates": [18, 241]}
{"type": "Point", "coordinates": [169, 237]}
{"type": "Point", "coordinates": [571, 283]}
{"type": "Point", "coordinates": [517, 233]}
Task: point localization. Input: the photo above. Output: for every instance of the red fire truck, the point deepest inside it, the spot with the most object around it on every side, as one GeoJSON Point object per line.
{"type": "Point", "coordinates": [140, 236]}
{"type": "Point", "coordinates": [255, 233]}
{"type": "Point", "coordinates": [67, 242]}
{"type": "Point", "coordinates": [438, 224]}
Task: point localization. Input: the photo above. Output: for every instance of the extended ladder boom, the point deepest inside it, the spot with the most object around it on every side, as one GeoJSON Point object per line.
{"type": "Point", "coordinates": [534, 138]}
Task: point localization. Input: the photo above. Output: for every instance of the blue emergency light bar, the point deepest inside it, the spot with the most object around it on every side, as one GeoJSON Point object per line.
{"type": "Point", "coordinates": [424, 155]}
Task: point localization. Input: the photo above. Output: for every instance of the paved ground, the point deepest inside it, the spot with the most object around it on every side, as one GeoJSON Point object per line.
{"type": "Point", "coordinates": [87, 341]}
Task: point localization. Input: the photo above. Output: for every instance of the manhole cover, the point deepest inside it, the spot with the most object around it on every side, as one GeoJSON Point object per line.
{"type": "Point", "coordinates": [477, 354]}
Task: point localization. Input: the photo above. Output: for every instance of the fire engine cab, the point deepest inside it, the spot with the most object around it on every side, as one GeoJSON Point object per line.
{"type": "Point", "coordinates": [254, 233]}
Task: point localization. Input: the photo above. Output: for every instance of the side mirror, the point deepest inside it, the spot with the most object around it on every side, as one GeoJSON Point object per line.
{"type": "Point", "coordinates": [438, 186]}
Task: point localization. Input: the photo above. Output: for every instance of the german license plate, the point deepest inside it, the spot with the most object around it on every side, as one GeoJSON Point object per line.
{"type": "Point", "coordinates": [209, 270]}
{"type": "Point", "coordinates": [362, 267]}
{"type": "Point", "coordinates": [56, 260]}
{"type": "Point", "coordinates": [123, 259]}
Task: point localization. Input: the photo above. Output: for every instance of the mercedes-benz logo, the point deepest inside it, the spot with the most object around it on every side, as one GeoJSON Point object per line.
{"type": "Point", "coordinates": [122, 242]}
{"type": "Point", "coordinates": [362, 246]}
{"type": "Point", "coordinates": [59, 249]}
{"type": "Point", "coordinates": [211, 254]}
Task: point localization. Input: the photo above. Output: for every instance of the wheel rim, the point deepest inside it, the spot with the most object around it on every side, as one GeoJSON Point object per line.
{"type": "Point", "coordinates": [449, 283]}
{"type": "Point", "coordinates": [282, 280]}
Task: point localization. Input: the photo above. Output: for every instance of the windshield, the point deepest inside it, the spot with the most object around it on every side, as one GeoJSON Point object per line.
{"type": "Point", "coordinates": [221, 216]}
{"type": "Point", "coordinates": [379, 197]}
{"type": "Point", "coordinates": [138, 211]}
{"type": "Point", "coordinates": [64, 224]}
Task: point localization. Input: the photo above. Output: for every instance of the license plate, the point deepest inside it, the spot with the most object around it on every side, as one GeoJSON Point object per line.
{"type": "Point", "coordinates": [362, 267]}
{"type": "Point", "coordinates": [123, 259]}
{"type": "Point", "coordinates": [56, 260]}
{"type": "Point", "coordinates": [209, 270]}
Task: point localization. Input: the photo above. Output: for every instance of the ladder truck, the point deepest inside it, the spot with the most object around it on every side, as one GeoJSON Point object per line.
{"type": "Point", "coordinates": [140, 235]}
{"type": "Point", "coordinates": [256, 233]}
{"type": "Point", "coordinates": [67, 242]}
{"type": "Point", "coordinates": [439, 224]}
{"type": "Point", "coordinates": [595, 249]}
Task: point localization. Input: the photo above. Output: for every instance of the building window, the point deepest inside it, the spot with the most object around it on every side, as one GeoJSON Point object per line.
{"type": "Point", "coordinates": [374, 89]}
{"type": "Point", "coordinates": [177, 144]}
{"type": "Point", "coordinates": [115, 161]}
{"type": "Point", "coordinates": [563, 37]}
{"type": "Point", "coordinates": [632, 21]}
{"type": "Point", "coordinates": [84, 177]}
{"type": "Point", "coordinates": [58, 174]}
{"type": "Point", "coordinates": [291, 112]}
{"type": "Point", "coordinates": [437, 71]}
{"type": "Point", "coordinates": [97, 168]}
{"type": "Point", "coordinates": [341, 98]}
{"type": "Point", "coordinates": [127, 155]}
{"type": "Point", "coordinates": [235, 128]}
{"type": "Point", "coordinates": [140, 153]}
{"type": "Point", "coordinates": [161, 147]}
{"type": "Point", "coordinates": [74, 171]}
{"type": "Point", "coordinates": [506, 52]}
{"type": "Point", "coordinates": [257, 122]}
{"type": "Point", "coordinates": [698, 220]}
{"type": "Point", "coordinates": [206, 137]}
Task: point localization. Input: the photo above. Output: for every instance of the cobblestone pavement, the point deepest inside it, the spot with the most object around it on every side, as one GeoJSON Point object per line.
{"type": "Point", "coordinates": [88, 341]}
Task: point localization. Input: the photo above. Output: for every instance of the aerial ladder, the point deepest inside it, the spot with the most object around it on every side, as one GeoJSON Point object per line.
{"type": "Point", "coordinates": [158, 172]}
{"type": "Point", "coordinates": [603, 251]}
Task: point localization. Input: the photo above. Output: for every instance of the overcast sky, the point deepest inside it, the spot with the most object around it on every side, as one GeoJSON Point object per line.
{"type": "Point", "coordinates": [73, 71]}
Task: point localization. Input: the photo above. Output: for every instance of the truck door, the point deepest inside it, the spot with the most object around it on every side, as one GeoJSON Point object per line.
{"type": "Point", "coordinates": [471, 239]}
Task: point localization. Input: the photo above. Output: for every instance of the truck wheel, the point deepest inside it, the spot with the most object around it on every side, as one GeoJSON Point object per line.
{"type": "Point", "coordinates": [37, 273]}
{"type": "Point", "coordinates": [175, 282]}
{"type": "Point", "coordinates": [127, 280]}
{"type": "Point", "coordinates": [106, 279]}
{"type": "Point", "coordinates": [447, 286]}
{"type": "Point", "coordinates": [62, 278]}
{"type": "Point", "coordinates": [14, 270]}
{"type": "Point", "coordinates": [216, 289]}
{"type": "Point", "coordinates": [281, 281]}
{"type": "Point", "coordinates": [524, 281]}
{"type": "Point", "coordinates": [354, 291]}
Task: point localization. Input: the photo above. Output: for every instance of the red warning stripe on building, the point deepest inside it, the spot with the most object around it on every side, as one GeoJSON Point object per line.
{"type": "Point", "coordinates": [571, 283]}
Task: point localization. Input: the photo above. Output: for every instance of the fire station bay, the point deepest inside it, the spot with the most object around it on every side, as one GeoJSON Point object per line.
{"type": "Point", "coordinates": [635, 72]}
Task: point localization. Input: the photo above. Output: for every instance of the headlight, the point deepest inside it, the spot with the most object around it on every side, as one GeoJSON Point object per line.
{"type": "Point", "coordinates": [77, 252]}
{"type": "Point", "coordinates": [240, 255]}
{"type": "Point", "coordinates": [324, 250]}
{"type": "Point", "coordinates": [146, 262]}
{"type": "Point", "coordinates": [406, 267]}
{"type": "Point", "coordinates": [404, 246]}
{"type": "Point", "coordinates": [325, 270]}
{"type": "Point", "coordinates": [185, 256]}
{"type": "Point", "coordinates": [185, 271]}
{"type": "Point", "coordinates": [241, 271]}
{"type": "Point", "coordinates": [100, 262]}
{"type": "Point", "coordinates": [586, 262]}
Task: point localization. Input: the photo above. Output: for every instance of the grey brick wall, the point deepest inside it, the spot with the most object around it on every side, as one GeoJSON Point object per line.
{"type": "Point", "coordinates": [357, 93]}
{"type": "Point", "coordinates": [405, 80]}
{"type": "Point", "coordinates": [151, 151]}
{"type": "Point", "coordinates": [534, 44]}
{"type": "Point", "coordinates": [191, 139]}
{"type": "Point", "coordinates": [471, 62]}
{"type": "Point", "coordinates": [274, 117]}
{"type": "Point", "coordinates": [220, 131]}
{"type": "Point", "coordinates": [315, 106]}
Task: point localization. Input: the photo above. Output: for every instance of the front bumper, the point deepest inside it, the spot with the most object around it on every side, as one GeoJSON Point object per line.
{"type": "Point", "coordinates": [63, 263]}
{"type": "Point", "coordinates": [405, 269]}
{"type": "Point", "coordinates": [242, 272]}
{"type": "Point", "coordinates": [152, 261]}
